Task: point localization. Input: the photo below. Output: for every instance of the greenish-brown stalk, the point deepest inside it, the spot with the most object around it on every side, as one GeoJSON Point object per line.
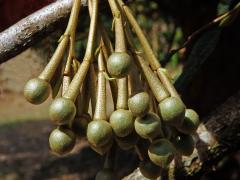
{"type": "Point", "coordinates": [153, 61]}
{"type": "Point", "coordinates": [69, 35]}
{"type": "Point", "coordinates": [100, 109]}
{"type": "Point", "coordinates": [79, 77]}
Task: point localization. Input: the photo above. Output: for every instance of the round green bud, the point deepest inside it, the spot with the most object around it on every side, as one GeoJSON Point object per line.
{"type": "Point", "coordinates": [61, 140]}
{"type": "Point", "coordinates": [172, 111]}
{"type": "Point", "coordinates": [36, 91]}
{"type": "Point", "coordinates": [161, 152]}
{"type": "Point", "coordinates": [62, 111]}
{"type": "Point", "coordinates": [128, 142]}
{"type": "Point", "coordinates": [80, 124]}
{"type": "Point", "coordinates": [184, 144]}
{"type": "Point", "coordinates": [149, 170]}
{"type": "Point", "coordinates": [190, 122]}
{"type": "Point", "coordinates": [119, 64]}
{"type": "Point", "coordinates": [122, 122]}
{"type": "Point", "coordinates": [106, 174]}
{"type": "Point", "coordinates": [139, 104]}
{"type": "Point", "coordinates": [99, 133]}
{"type": "Point", "coordinates": [148, 126]}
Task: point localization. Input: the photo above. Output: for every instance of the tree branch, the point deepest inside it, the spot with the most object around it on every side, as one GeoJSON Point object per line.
{"type": "Point", "coordinates": [29, 30]}
{"type": "Point", "coordinates": [219, 136]}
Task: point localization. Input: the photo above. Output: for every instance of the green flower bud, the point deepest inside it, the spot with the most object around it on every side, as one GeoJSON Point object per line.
{"type": "Point", "coordinates": [99, 133]}
{"type": "Point", "coordinates": [172, 110]}
{"type": "Point", "coordinates": [161, 152]}
{"type": "Point", "coordinates": [119, 64]}
{"type": "Point", "coordinates": [149, 126]}
{"type": "Point", "coordinates": [36, 91]}
{"type": "Point", "coordinates": [122, 122]}
{"type": "Point", "coordinates": [62, 111]}
{"type": "Point", "coordinates": [139, 104]}
{"type": "Point", "coordinates": [190, 122]}
{"type": "Point", "coordinates": [61, 140]}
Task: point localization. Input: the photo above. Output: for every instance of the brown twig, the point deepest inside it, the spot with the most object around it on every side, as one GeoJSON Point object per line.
{"type": "Point", "coordinates": [31, 29]}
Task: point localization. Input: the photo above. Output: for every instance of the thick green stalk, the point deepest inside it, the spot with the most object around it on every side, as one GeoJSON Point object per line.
{"type": "Point", "coordinates": [65, 83]}
{"type": "Point", "coordinates": [153, 61]}
{"type": "Point", "coordinates": [142, 38]}
{"type": "Point", "coordinates": [71, 31]}
{"type": "Point", "coordinates": [107, 49]}
{"type": "Point", "coordinates": [92, 32]}
{"type": "Point", "coordinates": [154, 83]}
{"type": "Point", "coordinates": [106, 40]}
{"type": "Point", "coordinates": [167, 83]}
{"type": "Point", "coordinates": [122, 98]}
{"type": "Point", "coordinates": [112, 83]}
{"type": "Point", "coordinates": [86, 95]}
{"type": "Point", "coordinates": [100, 110]}
{"type": "Point", "coordinates": [73, 20]}
{"type": "Point", "coordinates": [79, 77]}
{"type": "Point", "coordinates": [120, 46]}
{"type": "Point", "coordinates": [92, 87]}
{"type": "Point", "coordinates": [54, 62]}
{"type": "Point", "coordinates": [67, 77]}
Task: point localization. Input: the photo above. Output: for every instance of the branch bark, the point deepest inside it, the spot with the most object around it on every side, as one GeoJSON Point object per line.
{"type": "Point", "coordinates": [31, 29]}
{"type": "Point", "coordinates": [219, 136]}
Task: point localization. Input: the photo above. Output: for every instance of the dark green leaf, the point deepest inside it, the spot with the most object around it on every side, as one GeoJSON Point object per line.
{"type": "Point", "coordinates": [201, 50]}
